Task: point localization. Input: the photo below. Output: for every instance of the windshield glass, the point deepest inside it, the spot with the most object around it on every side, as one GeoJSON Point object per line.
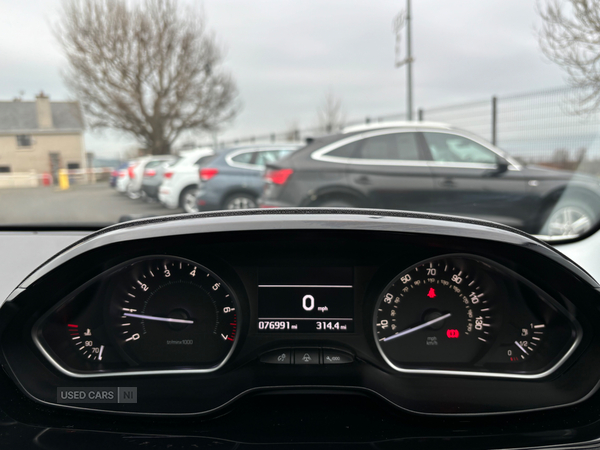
{"type": "Point", "coordinates": [112, 110]}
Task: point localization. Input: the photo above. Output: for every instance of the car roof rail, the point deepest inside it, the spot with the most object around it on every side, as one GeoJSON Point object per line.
{"type": "Point", "coordinates": [395, 124]}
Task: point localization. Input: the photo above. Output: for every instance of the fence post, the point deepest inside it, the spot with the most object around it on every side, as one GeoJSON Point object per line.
{"type": "Point", "coordinates": [272, 137]}
{"type": "Point", "coordinates": [420, 115]}
{"type": "Point", "coordinates": [368, 120]}
{"type": "Point", "coordinates": [494, 119]}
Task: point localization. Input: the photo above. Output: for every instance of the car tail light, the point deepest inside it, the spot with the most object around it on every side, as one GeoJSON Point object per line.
{"type": "Point", "coordinates": [149, 172]}
{"type": "Point", "coordinates": [279, 176]}
{"type": "Point", "coordinates": [168, 175]}
{"type": "Point", "coordinates": [122, 173]}
{"type": "Point", "coordinates": [207, 173]}
{"type": "Point", "coordinates": [114, 173]}
{"type": "Point", "coordinates": [130, 172]}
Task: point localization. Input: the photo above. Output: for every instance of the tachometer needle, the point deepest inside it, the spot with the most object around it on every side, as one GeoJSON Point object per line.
{"type": "Point", "coordinates": [419, 327]}
{"type": "Point", "coordinates": [158, 319]}
{"type": "Point", "coordinates": [522, 349]}
{"type": "Point", "coordinates": [100, 355]}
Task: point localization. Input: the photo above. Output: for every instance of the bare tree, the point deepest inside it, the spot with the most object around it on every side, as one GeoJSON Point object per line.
{"type": "Point", "coordinates": [570, 37]}
{"type": "Point", "coordinates": [292, 132]}
{"type": "Point", "coordinates": [330, 114]}
{"type": "Point", "coordinates": [151, 68]}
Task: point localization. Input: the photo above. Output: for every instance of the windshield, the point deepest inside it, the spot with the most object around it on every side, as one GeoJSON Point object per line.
{"type": "Point", "coordinates": [112, 110]}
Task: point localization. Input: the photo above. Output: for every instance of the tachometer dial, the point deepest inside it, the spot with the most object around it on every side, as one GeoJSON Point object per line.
{"type": "Point", "coordinates": [437, 314]}
{"type": "Point", "coordinates": [175, 312]}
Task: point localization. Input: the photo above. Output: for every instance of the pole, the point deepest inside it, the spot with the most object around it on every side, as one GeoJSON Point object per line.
{"type": "Point", "coordinates": [409, 107]}
{"type": "Point", "coordinates": [494, 120]}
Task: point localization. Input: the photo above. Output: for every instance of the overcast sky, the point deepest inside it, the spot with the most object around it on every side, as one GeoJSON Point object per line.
{"type": "Point", "coordinates": [285, 55]}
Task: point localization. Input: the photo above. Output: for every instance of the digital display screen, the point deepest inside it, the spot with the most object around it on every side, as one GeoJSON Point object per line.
{"type": "Point", "coordinates": [305, 300]}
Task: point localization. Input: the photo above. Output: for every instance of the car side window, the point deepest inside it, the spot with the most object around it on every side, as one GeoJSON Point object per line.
{"type": "Point", "coordinates": [452, 148]}
{"type": "Point", "coordinates": [397, 146]}
{"type": "Point", "coordinates": [243, 158]}
{"type": "Point", "coordinates": [264, 158]}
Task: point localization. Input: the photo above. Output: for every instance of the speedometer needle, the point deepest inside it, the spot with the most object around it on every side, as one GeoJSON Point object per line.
{"type": "Point", "coordinates": [419, 327]}
{"type": "Point", "coordinates": [159, 319]}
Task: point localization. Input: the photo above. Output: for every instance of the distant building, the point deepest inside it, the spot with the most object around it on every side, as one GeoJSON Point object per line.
{"type": "Point", "coordinates": [42, 136]}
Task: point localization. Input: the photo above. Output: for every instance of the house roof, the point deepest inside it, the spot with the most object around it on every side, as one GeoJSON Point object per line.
{"type": "Point", "coordinates": [22, 116]}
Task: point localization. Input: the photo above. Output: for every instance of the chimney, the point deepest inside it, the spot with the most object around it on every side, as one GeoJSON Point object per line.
{"type": "Point", "coordinates": [44, 112]}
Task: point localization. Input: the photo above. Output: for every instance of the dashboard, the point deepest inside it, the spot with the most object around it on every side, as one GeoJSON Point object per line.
{"type": "Point", "coordinates": [194, 316]}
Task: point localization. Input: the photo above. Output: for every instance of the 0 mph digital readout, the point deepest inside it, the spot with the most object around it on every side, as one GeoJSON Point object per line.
{"type": "Point", "coordinates": [306, 300]}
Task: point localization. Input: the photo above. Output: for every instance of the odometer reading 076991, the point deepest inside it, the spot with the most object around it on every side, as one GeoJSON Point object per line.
{"type": "Point", "coordinates": [438, 314]}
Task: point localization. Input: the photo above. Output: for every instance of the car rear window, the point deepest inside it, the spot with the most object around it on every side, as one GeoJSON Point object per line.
{"type": "Point", "coordinates": [243, 158]}
{"type": "Point", "coordinates": [345, 151]}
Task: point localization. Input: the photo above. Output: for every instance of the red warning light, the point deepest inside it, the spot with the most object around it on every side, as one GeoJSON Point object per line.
{"type": "Point", "coordinates": [452, 334]}
{"type": "Point", "coordinates": [431, 293]}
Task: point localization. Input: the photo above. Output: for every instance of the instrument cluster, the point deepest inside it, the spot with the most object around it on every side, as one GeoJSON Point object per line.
{"type": "Point", "coordinates": [454, 314]}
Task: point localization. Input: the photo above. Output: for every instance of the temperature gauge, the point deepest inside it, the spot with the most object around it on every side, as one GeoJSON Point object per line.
{"type": "Point", "coordinates": [85, 342]}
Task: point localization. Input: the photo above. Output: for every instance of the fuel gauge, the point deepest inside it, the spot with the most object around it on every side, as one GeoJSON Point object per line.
{"type": "Point", "coordinates": [529, 339]}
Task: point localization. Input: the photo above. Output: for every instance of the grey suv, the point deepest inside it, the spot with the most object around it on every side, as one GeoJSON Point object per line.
{"type": "Point", "coordinates": [432, 167]}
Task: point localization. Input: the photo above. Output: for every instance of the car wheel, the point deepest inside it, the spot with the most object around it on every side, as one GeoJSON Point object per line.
{"type": "Point", "coordinates": [569, 217]}
{"type": "Point", "coordinates": [188, 200]}
{"type": "Point", "coordinates": [131, 193]}
{"type": "Point", "coordinates": [240, 201]}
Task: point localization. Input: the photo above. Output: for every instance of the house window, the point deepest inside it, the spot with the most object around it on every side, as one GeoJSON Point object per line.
{"type": "Point", "coordinates": [4, 169]}
{"type": "Point", "coordinates": [24, 140]}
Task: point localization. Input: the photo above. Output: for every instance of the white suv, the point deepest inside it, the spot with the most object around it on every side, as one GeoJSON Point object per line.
{"type": "Point", "coordinates": [180, 182]}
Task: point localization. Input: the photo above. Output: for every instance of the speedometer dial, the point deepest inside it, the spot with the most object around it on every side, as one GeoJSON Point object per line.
{"type": "Point", "coordinates": [173, 312]}
{"type": "Point", "coordinates": [438, 314]}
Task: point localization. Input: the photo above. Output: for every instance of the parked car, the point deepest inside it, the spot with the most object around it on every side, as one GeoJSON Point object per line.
{"type": "Point", "coordinates": [114, 175]}
{"type": "Point", "coordinates": [233, 180]}
{"type": "Point", "coordinates": [432, 167]}
{"type": "Point", "coordinates": [180, 181]}
{"type": "Point", "coordinates": [153, 178]}
{"type": "Point", "coordinates": [136, 172]}
{"type": "Point", "coordinates": [125, 175]}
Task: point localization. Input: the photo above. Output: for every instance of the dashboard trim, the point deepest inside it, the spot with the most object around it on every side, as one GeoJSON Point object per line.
{"type": "Point", "coordinates": [289, 218]}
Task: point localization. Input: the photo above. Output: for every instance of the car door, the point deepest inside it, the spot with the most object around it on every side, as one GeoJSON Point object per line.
{"type": "Point", "coordinates": [389, 169]}
{"type": "Point", "coordinates": [472, 180]}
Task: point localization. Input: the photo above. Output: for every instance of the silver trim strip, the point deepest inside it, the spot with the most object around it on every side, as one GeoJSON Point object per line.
{"type": "Point", "coordinates": [321, 154]}
{"type": "Point", "coordinates": [302, 286]}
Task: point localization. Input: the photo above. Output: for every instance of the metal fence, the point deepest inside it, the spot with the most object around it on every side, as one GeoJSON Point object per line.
{"type": "Point", "coordinates": [541, 127]}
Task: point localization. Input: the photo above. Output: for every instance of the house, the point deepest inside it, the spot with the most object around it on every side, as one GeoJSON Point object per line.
{"type": "Point", "coordinates": [40, 136]}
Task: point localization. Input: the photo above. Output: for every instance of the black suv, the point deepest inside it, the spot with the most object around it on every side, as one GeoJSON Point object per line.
{"type": "Point", "coordinates": [432, 167]}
